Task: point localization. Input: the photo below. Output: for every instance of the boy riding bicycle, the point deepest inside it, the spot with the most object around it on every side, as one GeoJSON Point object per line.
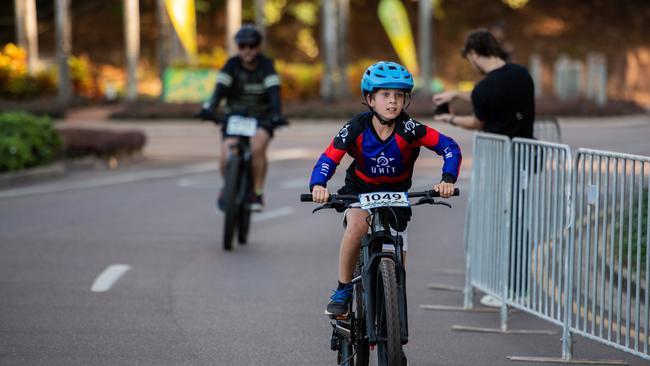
{"type": "Point", "coordinates": [384, 144]}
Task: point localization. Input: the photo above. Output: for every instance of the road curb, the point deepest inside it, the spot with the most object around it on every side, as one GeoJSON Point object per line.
{"type": "Point", "coordinates": [32, 174]}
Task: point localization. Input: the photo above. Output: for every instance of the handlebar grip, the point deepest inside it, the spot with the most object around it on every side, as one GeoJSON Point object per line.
{"type": "Point", "coordinates": [456, 192]}
{"type": "Point", "coordinates": [306, 198]}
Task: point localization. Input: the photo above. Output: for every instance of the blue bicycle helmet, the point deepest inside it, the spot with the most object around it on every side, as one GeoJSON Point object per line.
{"type": "Point", "coordinates": [386, 75]}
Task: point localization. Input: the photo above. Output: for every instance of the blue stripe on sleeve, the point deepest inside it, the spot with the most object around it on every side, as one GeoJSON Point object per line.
{"type": "Point", "coordinates": [323, 171]}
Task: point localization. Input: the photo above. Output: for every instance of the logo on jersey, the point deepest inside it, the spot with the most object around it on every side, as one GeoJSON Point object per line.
{"type": "Point", "coordinates": [410, 125]}
{"type": "Point", "coordinates": [343, 134]}
{"type": "Point", "coordinates": [383, 165]}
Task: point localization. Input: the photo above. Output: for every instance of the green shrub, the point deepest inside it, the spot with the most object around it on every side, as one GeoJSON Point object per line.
{"type": "Point", "coordinates": [27, 140]}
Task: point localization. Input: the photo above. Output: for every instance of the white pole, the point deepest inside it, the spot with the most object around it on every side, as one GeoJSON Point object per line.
{"type": "Point", "coordinates": [132, 47]}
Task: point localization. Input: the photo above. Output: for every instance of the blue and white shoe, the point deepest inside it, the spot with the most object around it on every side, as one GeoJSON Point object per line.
{"type": "Point", "coordinates": [340, 301]}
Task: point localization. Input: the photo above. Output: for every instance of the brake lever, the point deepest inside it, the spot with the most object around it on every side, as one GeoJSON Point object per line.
{"type": "Point", "coordinates": [330, 204]}
{"type": "Point", "coordinates": [327, 205]}
{"type": "Point", "coordinates": [441, 203]}
{"type": "Point", "coordinates": [429, 200]}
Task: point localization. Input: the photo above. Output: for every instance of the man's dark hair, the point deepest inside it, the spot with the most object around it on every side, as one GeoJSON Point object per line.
{"type": "Point", "coordinates": [483, 43]}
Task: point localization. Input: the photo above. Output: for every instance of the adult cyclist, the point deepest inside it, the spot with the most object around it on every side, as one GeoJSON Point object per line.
{"type": "Point", "coordinates": [250, 86]}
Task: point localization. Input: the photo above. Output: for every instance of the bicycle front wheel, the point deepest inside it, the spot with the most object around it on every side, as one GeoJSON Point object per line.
{"type": "Point", "coordinates": [230, 200]}
{"type": "Point", "coordinates": [389, 349]}
{"type": "Point", "coordinates": [362, 347]}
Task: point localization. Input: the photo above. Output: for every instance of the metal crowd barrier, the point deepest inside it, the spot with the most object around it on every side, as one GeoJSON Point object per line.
{"type": "Point", "coordinates": [610, 266]}
{"type": "Point", "coordinates": [565, 239]}
{"type": "Point", "coordinates": [488, 217]}
{"type": "Point", "coordinates": [539, 241]}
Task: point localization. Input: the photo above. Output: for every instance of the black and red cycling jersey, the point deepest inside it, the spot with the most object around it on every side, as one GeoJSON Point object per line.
{"type": "Point", "coordinates": [385, 164]}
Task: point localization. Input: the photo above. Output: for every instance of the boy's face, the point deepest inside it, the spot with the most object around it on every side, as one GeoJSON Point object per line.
{"type": "Point", "coordinates": [388, 103]}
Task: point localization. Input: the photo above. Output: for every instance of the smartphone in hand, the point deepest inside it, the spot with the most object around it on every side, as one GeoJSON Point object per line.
{"type": "Point", "coordinates": [441, 109]}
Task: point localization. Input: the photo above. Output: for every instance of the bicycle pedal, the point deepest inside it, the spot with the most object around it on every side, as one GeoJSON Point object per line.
{"type": "Point", "coordinates": [340, 317]}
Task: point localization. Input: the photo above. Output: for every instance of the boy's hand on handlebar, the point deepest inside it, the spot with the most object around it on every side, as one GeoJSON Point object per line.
{"type": "Point", "coordinates": [320, 194]}
{"type": "Point", "coordinates": [445, 189]}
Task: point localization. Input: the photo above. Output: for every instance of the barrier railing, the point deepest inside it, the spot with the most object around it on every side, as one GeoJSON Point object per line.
{"type": "Point", "coordinates": [539, 241]}
{"type": "Point", "coordinates": [610, 266]}
{"type": "Point", "coordinates": [489, 217]}
{"type": "Point", "coordinates": [564, 239]}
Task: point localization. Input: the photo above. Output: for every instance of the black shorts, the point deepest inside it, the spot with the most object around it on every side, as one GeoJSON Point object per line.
{"type": "Point", "coordinates": [402, 214]}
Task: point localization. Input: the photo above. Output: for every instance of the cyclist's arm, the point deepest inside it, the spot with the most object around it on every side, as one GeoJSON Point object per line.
{"type": "Point", "coordinates": [222, 87]}
{"type": "Point", "coordinates": [326, 166]}
{"type": "Point", "coordinates": [470, 122]}
{"type": "Point", "coordinates": [272, 86]}
{"type": "Point", "coordinates": [447, 148]}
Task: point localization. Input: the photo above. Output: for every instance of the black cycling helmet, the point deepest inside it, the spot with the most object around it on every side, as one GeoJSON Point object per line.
{"type": "Point", "coordinates": [248, 34]}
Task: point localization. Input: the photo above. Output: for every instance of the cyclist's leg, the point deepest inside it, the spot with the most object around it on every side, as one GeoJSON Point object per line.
{"type": "Point", "coordinates": [356, 228]}
{"type": "Point", "coordinates": [259, 144]}
{"type": "Point", "coordinates": [226, 142]}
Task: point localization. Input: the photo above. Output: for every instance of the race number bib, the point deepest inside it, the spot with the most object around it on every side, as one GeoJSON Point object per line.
{"type": "Point", "coordinates": [383, 199]}
{"type": "Point", "coordinates": [241, 126]}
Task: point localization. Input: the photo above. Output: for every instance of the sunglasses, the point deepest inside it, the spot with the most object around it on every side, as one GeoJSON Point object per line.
{"type": "Point", "coordinates": [247, 45]}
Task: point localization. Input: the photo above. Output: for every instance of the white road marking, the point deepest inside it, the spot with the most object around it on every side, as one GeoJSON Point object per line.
{"type": "Point", "coordinates": [111, 274]}
{"type": "Point", "coordinates": [267, 215]}
{"type": "Point", "coordinates": [197, 183]}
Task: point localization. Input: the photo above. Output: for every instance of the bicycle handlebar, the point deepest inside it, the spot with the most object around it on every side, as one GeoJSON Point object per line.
{"type": "Point", "coordinates": [307, 197]}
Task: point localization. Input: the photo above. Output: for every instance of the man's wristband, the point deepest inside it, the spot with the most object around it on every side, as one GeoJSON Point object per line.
{"type": "Point", "coordinates": [451, 121]}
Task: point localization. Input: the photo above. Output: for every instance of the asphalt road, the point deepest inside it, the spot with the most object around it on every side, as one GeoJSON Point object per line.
{"type": "Point", "coordinates": [183, 301]}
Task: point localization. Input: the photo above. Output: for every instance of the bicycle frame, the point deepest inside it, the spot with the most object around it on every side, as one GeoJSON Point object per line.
{"type": "Point", "coordinates": [372, 253]}
{"type": "Point", "coordinates": [242, 149]}
{"type": "Point", "coordinates": [349, 340]}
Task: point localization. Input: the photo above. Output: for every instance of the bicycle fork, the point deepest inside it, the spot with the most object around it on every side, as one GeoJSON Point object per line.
{"type": "Point", "coordinates": [371, 292]}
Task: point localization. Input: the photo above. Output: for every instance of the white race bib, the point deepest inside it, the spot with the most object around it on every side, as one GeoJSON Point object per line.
{"type": "Point", "coordinates": [241, 126]}
{"type": "Point", "coordinates": [383, 199]}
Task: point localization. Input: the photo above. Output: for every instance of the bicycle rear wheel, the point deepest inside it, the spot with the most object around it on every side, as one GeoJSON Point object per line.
{"type": "Point", "coordinates": [389, 349]}
{"type": "Point", "coordinates": [230, 200]}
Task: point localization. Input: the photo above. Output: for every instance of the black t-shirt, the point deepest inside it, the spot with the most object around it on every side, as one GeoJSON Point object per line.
{"type": "Point", "coordinates": [505, 101]}
{"type": "Point", "coordinates": [247, 89]}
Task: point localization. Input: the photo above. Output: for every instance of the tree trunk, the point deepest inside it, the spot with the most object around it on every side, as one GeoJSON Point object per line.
{"type": "Point", "coordinates": [26, 31]}
{"type": "Point", "coordinates": [132, 49]}
{"type": "Point", "coordinates": [63, 48]}
{"type": "Point", "coordinates": [424, 39]}
{"type": "Point", "coordinates": [233, 23]}
{"type": "Point", "coordinates": [330, 49]}
{"type": "Point", "coordinates": [259, 17]}
{"type": "Point", "coordinates": [343, 21]}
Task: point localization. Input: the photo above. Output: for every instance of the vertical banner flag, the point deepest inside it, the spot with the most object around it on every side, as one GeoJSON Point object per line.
{"type": "Point", "coordinates": [183, 16]}
{"type": "Point", "coordinates": [395, 20]}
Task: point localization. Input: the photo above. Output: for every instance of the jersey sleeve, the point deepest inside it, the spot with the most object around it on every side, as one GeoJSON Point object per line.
{"type": "Point", "coordinates": [271, 78]}
{"type": "Point", "coordinates": [331, 158]}
{"type": "Point", "coordinates": [226, 74]}
{"type": "Point", "coordinates": [444, 146]}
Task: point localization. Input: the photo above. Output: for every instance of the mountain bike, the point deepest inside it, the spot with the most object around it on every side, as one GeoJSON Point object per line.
{"type": "Point", "coordinates": [238, 180]}
{"type": "Point", "coordinates": [378, 314]}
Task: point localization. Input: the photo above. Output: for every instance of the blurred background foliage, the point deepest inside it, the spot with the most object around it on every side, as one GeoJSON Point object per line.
{"type": "Point", "coordinates": [616, 28]}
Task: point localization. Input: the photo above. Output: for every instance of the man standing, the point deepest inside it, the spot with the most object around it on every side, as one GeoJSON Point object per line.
{"type": "Point", "coordinates": [503, 102]}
